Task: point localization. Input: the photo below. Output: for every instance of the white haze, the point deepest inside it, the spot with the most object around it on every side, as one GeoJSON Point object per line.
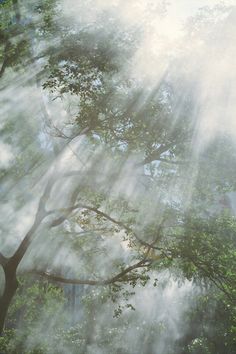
{"type": "Point", "coordinates": [191, 44]}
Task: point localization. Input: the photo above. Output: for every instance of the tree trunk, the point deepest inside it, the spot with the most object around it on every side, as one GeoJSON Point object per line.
{"type": "Point", "coordinates": [11, 285]}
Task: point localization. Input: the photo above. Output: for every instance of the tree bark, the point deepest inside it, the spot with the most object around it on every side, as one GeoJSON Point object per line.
{"type": "Point", "coordinates": [11, 285]}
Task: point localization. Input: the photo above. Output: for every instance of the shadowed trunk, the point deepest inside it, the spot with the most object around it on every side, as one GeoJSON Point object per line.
{"type": "Point", "coordinates": [10, 287]}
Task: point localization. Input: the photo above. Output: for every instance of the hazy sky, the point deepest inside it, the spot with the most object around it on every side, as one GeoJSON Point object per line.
{"type": "Point", "coordinates": [180, 10]}
{"type": "Point", "coordinates": [183, 8]}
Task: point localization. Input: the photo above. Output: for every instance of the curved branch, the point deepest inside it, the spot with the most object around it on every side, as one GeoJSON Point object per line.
{"type": "Point", "coordinates": [121, 224]}
{"type": "Point", "coordinates": [118, 277]}
{"type": "Point", "coordinates": [40, 216]}
{"type": "Point", "coordinates": [108, 217]}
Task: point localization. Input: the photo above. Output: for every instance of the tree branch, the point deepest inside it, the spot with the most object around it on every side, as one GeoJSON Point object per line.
{"type": "Point", "coordinates": [118, 277]}
{"type": "Point", "coordinates": [156, 155]}
{"type": "Point", "coordinates": [17, 10]}
{"type": "Point", "coordinates": [212, 278]}
{"type": "Point", "coordinates": [5, 60]}
{"type": "Point", "coordinates": [40, 215]}
{"type": "Point", "coordinates": [3, 260]}
{"type": "Point", "coordinates": [108, 217]}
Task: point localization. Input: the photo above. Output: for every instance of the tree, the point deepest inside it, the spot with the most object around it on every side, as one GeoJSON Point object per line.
{"type": "Point", "coordinates": [115, 189]}
{"type": "Point", "coordinates": [96, 67]}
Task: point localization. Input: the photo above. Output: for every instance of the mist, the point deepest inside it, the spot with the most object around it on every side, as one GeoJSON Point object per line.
{"type": "Point", "coordinates": [117, 128]}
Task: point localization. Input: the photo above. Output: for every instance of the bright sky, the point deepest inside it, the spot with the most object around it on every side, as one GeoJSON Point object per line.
{"type": "Point", "coordinates": [184, 8]}
{"type": "Point", "coordinates": [180, 10]}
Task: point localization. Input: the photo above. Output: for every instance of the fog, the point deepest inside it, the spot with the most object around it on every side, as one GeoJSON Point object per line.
{"type": "Point", "coordinates": [187, 46]}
